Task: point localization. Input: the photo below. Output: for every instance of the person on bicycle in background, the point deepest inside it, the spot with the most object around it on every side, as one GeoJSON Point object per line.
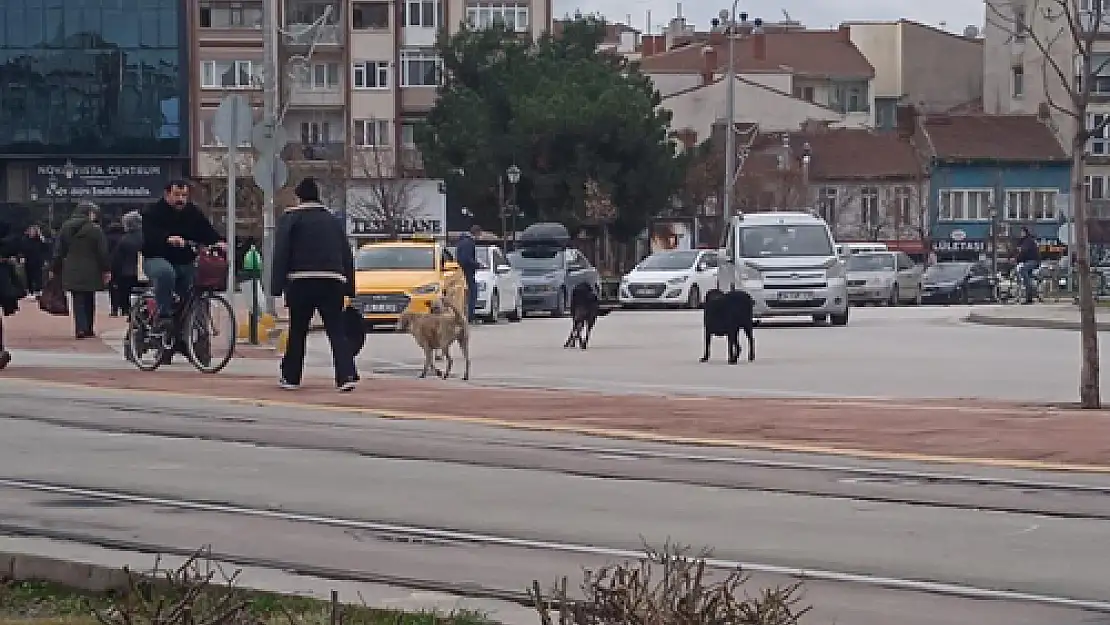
{"type": "Point", "coordinates": [1027, 258]}
{"type": "Point", "coordinates": [168, 261]}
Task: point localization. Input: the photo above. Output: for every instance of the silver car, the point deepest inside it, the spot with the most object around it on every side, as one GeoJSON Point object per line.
{"type": "Point", "coordinates": [890, 278]}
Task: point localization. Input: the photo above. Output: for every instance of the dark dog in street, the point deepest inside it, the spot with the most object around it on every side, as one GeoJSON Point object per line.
{"type": "Point", "coordinates": [726, 314]}
{"type": "Point", "coordinates": [585, 308]}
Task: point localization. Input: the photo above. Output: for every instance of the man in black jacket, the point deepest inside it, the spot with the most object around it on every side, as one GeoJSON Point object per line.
{"type": "Point", "coordinates": [168, 261]}
{"type": "Point", "coordinates": [466, 252]}
{"type": "Point", "coordinates": [314, 267]}
{"type": "Point", "coordinates": [1028, 258]}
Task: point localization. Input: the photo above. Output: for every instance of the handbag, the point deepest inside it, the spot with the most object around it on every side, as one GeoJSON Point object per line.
{"type": "Point", "coordinates": [211, 270]}
{"type": "Point", "coordinates": [53, 300]}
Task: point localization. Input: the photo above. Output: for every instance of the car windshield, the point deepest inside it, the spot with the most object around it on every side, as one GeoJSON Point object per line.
{"type": "Point", "coordinates": [537, 260]}
{"type": "Point", "coordinates": [946, 272]}
{"type": "Point", "coordinates": [400, 258]}
{"type": "Point", "coordinates": [784, 240]}
{"type": "Point", "coordinates": [871, 262]}
{"type": "Point", "coordinates": [669, 261]}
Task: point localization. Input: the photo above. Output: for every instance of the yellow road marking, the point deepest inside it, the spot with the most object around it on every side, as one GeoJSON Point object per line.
{"type": "Point", "coordinates": [772, 446]}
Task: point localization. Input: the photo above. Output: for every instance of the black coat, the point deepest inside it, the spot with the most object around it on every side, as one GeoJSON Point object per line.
{"type": "Point", "coordinates": [311, 243]}
{"type": "Point", "coordinates": [125, 255]}
{"type": "Point", "coordinates": [162, 221]}
{"type": "Point", "coordinates": [11, 287]}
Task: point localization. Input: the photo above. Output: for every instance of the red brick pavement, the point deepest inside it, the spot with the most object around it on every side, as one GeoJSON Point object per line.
{"type": "Point", "coordinates": [960, 429]}
{"type": "Point", "coordinates": [30, 328]}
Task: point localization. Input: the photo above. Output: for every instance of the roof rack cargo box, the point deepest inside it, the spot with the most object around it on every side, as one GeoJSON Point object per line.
{"type": "Point", "coordinates": [546, 234]}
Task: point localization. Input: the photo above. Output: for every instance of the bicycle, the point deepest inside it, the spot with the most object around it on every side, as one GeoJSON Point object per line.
{"type": "Point", "coordinates": [148, 341]}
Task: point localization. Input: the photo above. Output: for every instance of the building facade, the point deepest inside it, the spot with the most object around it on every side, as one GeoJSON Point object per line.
{"type": "Point", "coordinates": [93, 105]}
{"type": "Point", "coordinates": [991, 175]}
{"type": "Point", "coordinates": [351, 109]}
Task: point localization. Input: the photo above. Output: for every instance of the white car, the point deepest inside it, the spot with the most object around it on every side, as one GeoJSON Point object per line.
{"type": "Point", "coordinates": [671, 278]}
{"type": "Point", "coordinates": [500, 291]}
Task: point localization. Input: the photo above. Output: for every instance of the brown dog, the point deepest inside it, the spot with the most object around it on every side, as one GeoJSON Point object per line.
{"type": "Point", "coordinates": [435, 331]}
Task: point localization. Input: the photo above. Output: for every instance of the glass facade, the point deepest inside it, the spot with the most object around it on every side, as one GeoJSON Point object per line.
{"type": "Point", "coordinates": [93, 77]}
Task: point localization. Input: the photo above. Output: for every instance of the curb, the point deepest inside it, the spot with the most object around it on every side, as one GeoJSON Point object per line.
{"type": "Point", "coordinates": [1030, 322]}
{"type": "Point", "coordinates": [22, 567]}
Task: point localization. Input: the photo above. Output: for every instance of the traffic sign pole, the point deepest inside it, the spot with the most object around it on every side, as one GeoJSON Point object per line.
{"type": "Point", "coordinates": [232, 126]}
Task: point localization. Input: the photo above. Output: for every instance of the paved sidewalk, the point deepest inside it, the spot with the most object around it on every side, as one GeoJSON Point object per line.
{"type": "Point", "coordinates": [923, 430]}
{"type": "Point", "coordinates": [1045, 316]}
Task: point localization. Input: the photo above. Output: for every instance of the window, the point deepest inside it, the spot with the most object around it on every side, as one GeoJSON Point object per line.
{"type": "Point", "coordinates": [1096, 187]}
{"type": "Point", "coordinates": [1099, 72]}
{"type": "Point", "coordinates": [485, 14]}
{"type": "Point", "coordinates": [244, 14]}
{"type": "Point", "coordinates": [965, 205]}
{"type": "Point", "coordinates": [370, 15]}
{"type": "Point", "coordinates": [208, 138]}
{"type": "Point", "coordinates": [1031, 204]}
{"type": "Point", "coordinates": [850, 97]}
{"type": "Point", "coordinates": [408, 135]}
{"type": "Point", "coordinates": [371, 75]}
{"type": "Point", "coordinates": [903, 205]}
{"type": "Point", "coordinates": [1099, 143]}
{"type": "Point", "coordinates": [1017, 80]}
{"type": "Point", "coordinates": [424, 13]}
{"type": "Point", "coordinates": [869, 206]}
{"type": "Point", "coordinates": [419, 69]}
{"type": "Point", "coordinates": [228, 75]}
{"type": "Point", "coordinates": [315, 133]}
{"type": "Point", "coordinates": [323, 76]}
{"type": "Point", "coordinates": [1020, 27]}
{"type": "Point", "coordinates": [827, 200]}
{"type": "Point", "coordinates": [308, 12]}
{"type": "Point", "coordinates": [1088, 9]}
{"type": "Point", "coordinates": [371, 132]}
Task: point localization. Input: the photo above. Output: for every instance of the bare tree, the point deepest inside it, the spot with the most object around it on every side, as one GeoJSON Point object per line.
{"type": "Point", "coordinates": [392, 199]}
{"type": "Point", "coordinates": [600, 210]}
{"type": "Point", "coordinates": [768, 188]}
{"type": "Point", "coordinates": [1064, 36]}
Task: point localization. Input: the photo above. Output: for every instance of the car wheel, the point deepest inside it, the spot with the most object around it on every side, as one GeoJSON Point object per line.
{"type": "Point", "coordinates": [694, 299]}
{"type": "Point", "coordinates": [561, 307]}
{"type": "Point", "coordinates": [819, 319]}
{"type": "Point", "coordinates": [494, 309]}
{"type": "Point", "coordinates": [840, 320]}
{"type": "Point", "coordinates": [893, 300]}
{"type": "Point", "coordinates": [518, 312]}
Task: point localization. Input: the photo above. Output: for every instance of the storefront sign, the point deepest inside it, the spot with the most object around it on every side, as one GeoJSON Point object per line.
{"type": "Point", "coordinates": [78, 180]}
{"type": "Point", "coordinates": [966, 245]}
{"type": "Point", "coordinates": [404, 226]}
{"type": "Point", "coordinates": [412, 207]}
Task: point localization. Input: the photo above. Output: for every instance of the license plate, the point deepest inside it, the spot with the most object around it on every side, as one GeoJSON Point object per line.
{"type": "Point", "coordinates": [795, 296]}
{"type": "Point", "coordinates": [642, 292]}
{"type": "Point", "coordinates": [379, 308]}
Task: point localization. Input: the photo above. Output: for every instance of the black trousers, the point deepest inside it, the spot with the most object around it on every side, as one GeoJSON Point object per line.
{"type": "Point", "coordinates": [303, 298]}
{"type": "Point", "coordinates": [119, 292]}
{"type": "Point", "coordinates": [84, 311]}
{"type": "Point", "coordinates": [33, 270]}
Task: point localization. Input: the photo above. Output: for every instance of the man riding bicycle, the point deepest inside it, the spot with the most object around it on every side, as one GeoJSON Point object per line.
{"type": "Point", "coordinates": [168, 261]}
{"type": "Point", "coordinates": [1027, 258]}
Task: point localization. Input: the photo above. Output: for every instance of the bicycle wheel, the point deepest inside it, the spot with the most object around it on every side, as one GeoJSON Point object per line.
{"type": "Point", "coordinates": [209, 332]}
{"type": "Point", "coordinates": [143, 344]}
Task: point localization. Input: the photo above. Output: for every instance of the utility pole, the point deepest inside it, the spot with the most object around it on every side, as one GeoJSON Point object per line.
{"type": "Point", "coordinates": [270, 113]}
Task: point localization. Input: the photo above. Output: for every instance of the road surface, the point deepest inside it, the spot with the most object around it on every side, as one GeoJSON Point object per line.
{"type": "Point", "coordinates": [372, 503]}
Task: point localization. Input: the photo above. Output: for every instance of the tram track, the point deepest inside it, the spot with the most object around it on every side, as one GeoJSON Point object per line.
{"type": "Point", "coordinates": [1051, 495]}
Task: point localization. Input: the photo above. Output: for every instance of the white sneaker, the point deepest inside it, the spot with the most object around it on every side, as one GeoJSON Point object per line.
{"type": "Point", "coordinates": [347, 386]}
{"type": "Point", "coordinates": [287, 386]}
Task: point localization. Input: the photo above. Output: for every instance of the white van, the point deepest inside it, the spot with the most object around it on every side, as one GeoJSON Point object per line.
{"type": "Point", "coordinates": [787, 262]}
{"type": "Point", "coordinates": [847, 249]}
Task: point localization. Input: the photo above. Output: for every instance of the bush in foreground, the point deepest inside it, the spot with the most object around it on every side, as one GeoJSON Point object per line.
{"type": "Point", "coordinates": [667, 587]}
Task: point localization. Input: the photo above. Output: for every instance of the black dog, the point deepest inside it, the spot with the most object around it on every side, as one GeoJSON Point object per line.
{"type": "Point", "coordinates": [585, 308]}
{"type": "Point", "coordinates": [726, 314]}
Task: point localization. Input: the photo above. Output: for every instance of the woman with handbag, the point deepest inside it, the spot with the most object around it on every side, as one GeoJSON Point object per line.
{"type": "Point", "coordinates": [11, 288]}
{"type": "Point", "coordinates": [82, 259]}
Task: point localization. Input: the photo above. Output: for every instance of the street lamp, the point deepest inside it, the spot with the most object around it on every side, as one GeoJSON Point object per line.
{"type": "Point", "coordinates": [52, 191]}
{"type": "Point", "coordinates": [993, 214]}
{"type": "Point", "coordinates": [807, 156]}
{"type": "Point", "coordinates": [730, 106]}
{"type": "Point", "coordinates": [513, 174]}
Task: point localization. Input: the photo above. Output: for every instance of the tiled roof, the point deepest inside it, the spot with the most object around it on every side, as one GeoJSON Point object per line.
{"type": "Point", "coordinates": [810, 52]}
{"type": "Point", "coordinates": [857, 154]}
{"type": "Point", "coordinates": [991, 137]}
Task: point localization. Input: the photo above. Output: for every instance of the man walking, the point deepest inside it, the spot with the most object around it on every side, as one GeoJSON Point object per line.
{"type": "Point", "coordinates": [467, 253]}
{"type": "Point", "coordinates": [35, 253]}
{"type": "Point", "coordinates": [314, 267]}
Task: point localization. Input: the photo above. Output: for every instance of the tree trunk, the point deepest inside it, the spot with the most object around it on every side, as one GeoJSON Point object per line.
{"type": "Point", "coordinates": [1089, 392]}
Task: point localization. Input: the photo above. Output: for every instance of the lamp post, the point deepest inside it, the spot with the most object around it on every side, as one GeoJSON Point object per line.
{"type": "Point", "coordinates": [513, 174]}
{"type": "Point", "coordinates": [52, 192]}
{"type": "Point", "coordinates": [730, 107]}
{"type": "Point", "coordinates": [993, 214]}
{"type": "Point", "coordinates": [807, 156]}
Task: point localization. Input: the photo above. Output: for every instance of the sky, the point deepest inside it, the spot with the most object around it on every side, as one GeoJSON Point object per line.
{"type": "Point", "coordinates": [813, 13]}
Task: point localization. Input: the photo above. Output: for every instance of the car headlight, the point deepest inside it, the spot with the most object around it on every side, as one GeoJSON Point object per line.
{"type": "Point", "coordinates": [426, 289]}
{"type": "Point", "coordinates": [678, 280]}
{"type": "Point", "coordinates": [747, 272]}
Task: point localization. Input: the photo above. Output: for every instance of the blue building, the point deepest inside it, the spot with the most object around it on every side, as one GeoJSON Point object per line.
{"type": "Point", "coordinates": [94, 104]}
{"type": "Point", "coordinates": [991, 175]}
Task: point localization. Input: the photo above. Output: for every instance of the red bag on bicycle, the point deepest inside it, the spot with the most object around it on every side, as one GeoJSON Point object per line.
{"type": "Point", "coordinates": [211, 270]}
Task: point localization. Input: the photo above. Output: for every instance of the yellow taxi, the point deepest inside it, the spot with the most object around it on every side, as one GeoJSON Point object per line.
{"type": "Point", "coordinates": [393, 276]}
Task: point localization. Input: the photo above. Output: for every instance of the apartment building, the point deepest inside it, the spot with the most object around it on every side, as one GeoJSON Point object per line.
{"type": "Point", "coordinates": [350, 110]}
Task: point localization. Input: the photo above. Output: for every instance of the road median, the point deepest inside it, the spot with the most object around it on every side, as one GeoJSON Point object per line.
{"type": "Point", "coordinates": [1003, 434]}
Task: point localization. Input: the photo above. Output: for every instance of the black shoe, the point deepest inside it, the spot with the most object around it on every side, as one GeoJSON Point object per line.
{"type": "Point", "coordinates": [348, 385]}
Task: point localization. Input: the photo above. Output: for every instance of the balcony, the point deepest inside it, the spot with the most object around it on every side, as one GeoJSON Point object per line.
{"type": "Point", "coordinates": [323, 154]}
{"type": "Point", "coordinates": [304, 96]}
{"type": "Point", "coordinates": [301, 36]}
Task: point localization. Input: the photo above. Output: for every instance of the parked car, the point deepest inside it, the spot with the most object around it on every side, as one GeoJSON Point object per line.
{"type": "Point", "coordinates": [787, 262]}
{"type": "Point", "coordinates": [890, 278]}
{"type": "Point", "coordinates": [550, 269]}
{"type": "Point", "coordinates": [500, 287]}
{"type": "Point", "coordinates": [670, 278]}
{"type": "Point", "coordinates": [957, 283]}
